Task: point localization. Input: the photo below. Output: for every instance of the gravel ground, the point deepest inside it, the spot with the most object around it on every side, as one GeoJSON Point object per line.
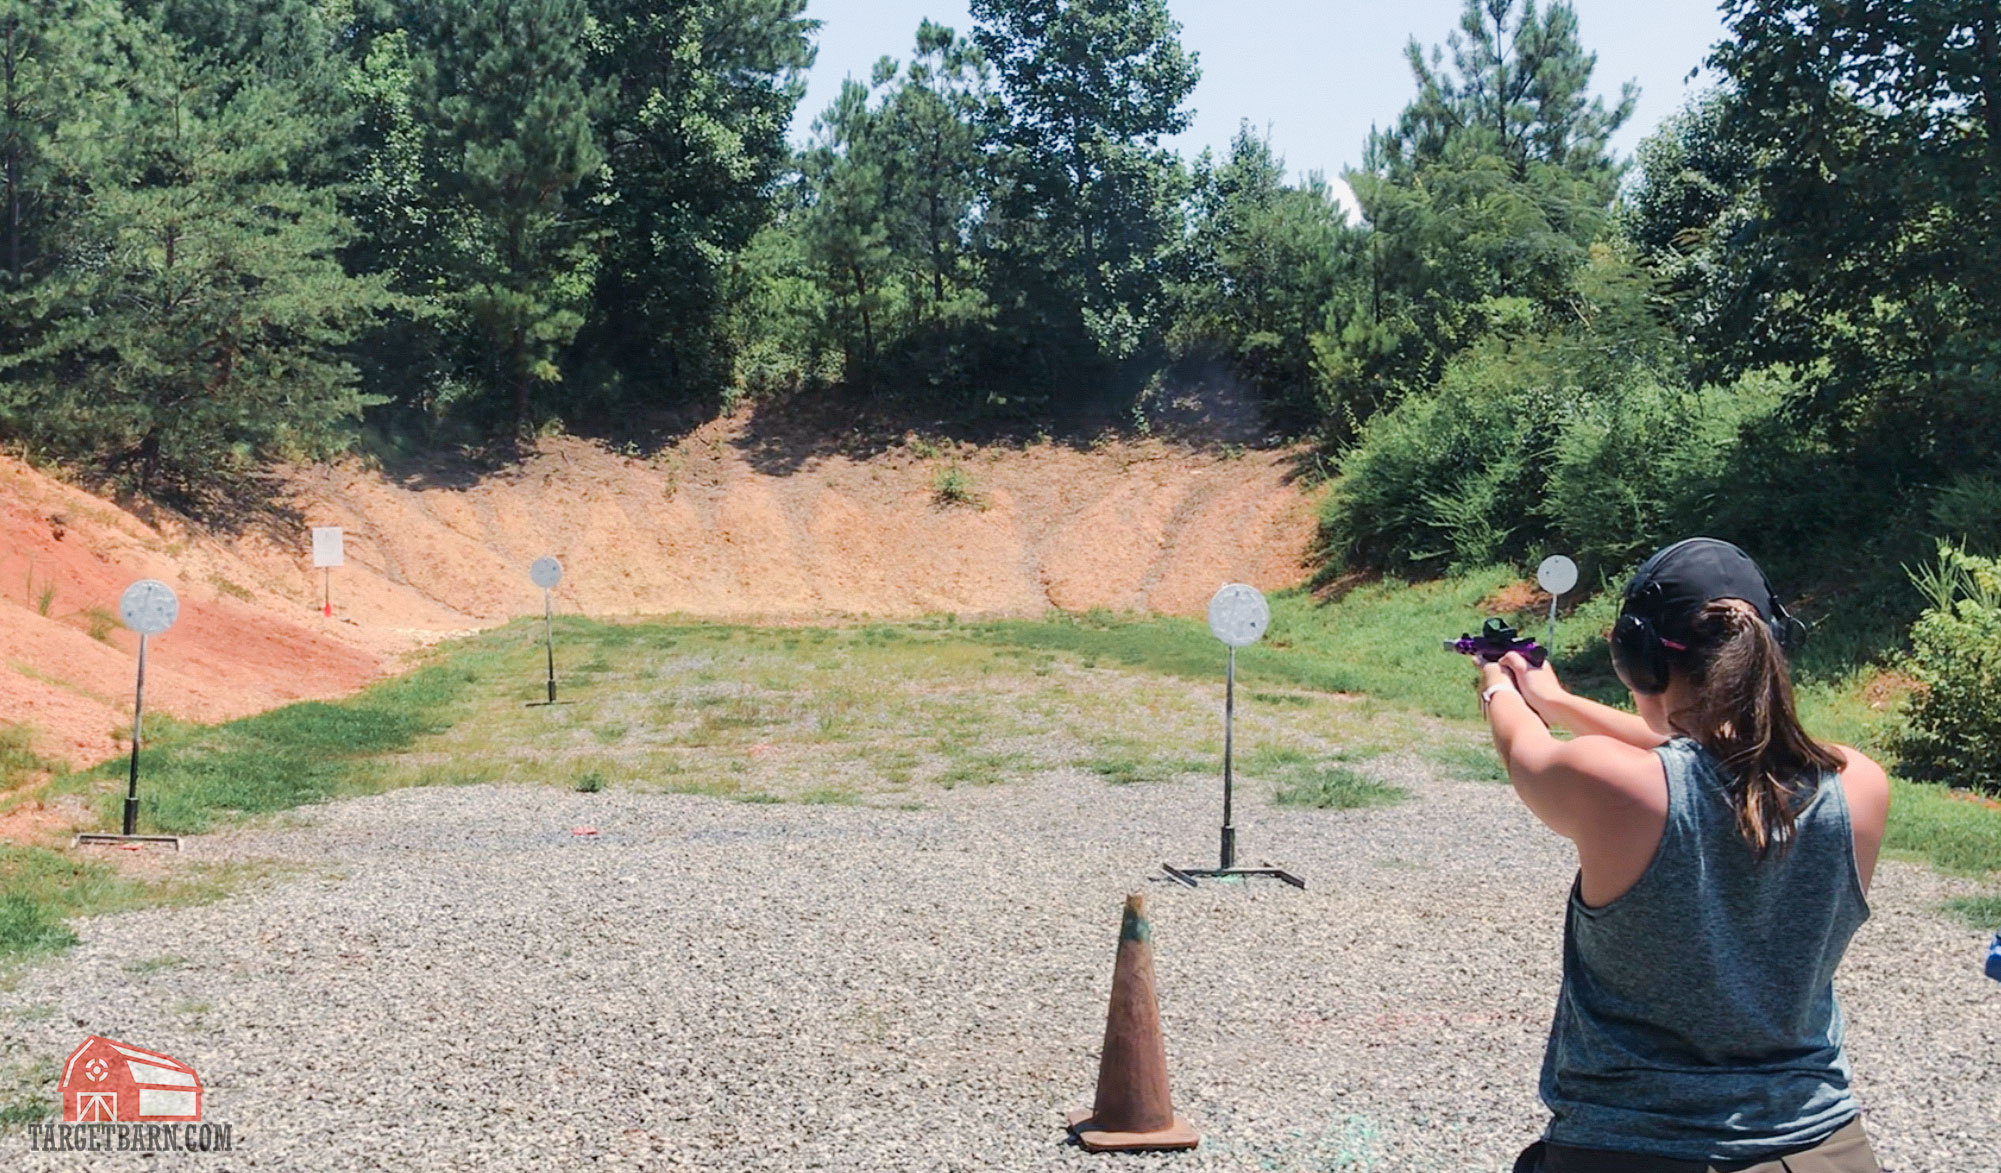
{"type": "Point", "coordinates": [457, 982]}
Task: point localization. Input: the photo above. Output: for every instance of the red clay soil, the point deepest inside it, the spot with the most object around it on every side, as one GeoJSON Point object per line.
{"type": "Point", "coordinates": [710, 527]}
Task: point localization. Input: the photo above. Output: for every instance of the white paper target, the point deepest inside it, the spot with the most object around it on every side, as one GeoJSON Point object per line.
{"type": "Point", "coordinates": [327, 549]}
{"type": "Point", "coordinates": [1557, 574]}
{"type": "Point", "coordinates": [546, 572]}
{"type": "Point", "coordinates": [149, 606]}
{"type": "Point", "coordinates": [1238, 615]}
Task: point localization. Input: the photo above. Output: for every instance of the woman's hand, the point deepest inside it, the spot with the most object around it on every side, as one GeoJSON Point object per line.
{"type": "Point", "coordinates": [1539, 686]}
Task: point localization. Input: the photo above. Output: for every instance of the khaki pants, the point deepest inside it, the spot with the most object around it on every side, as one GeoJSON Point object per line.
{"type": "Point", "coordinates": [1845, 1151]}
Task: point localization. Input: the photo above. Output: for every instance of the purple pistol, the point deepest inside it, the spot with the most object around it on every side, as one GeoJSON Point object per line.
{"type": "Point", "coordinates": [1497, 639]}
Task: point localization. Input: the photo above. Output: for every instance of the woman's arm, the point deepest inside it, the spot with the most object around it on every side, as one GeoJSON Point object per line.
{"type": "Point", "coordinates": [1603, 793]}
{"type": "Point", "coordinates": [1580, 715]}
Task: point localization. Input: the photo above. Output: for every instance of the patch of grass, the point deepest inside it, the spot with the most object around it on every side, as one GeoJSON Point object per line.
{"type": "Point", "coordinates": [1928, 822]}
{"type": "Point", "coordinates": [826, 796]}
{"type": "Point", "coordinates": [1125, 769]}
{"type": "Point", "coordinates": [1310, 780]}
{"type": "Point", "coordinates": [29, 926]}
{"type": "Point", "coordinates": [1379, 639]}
{"type": "Point", "coordinates": [194, 776]}
{"type": "Point", "coordinates": [19, 763]}
{"type": "Point", "coordinates": [225, 587]}
{"type": "Point", "coordinates": [1476, 763]}
{"type": "Point", "coordinates": [982, 769]}
{"type": "Point", "coordinates": [610, 732]}
{"type": "Point", "coordinates": [41, 887]}
{"type": "Point", "coordinates": [100, 623]}
{"type": "Point", "coordinates": [590, 782]}
{"type": "Point", "coordinates": [28, 1094]}
{"type": "Point", "coordinates": [154, 964]}
{"type": "Point", "coordinates": [1976, 912]}
{"type": "Point", "coordinates": [1275, 759]}
{"type": "Point", "coordinates": [45, 599]}
{"type": "Point", "coordinates": [1336, 787]}
{"type": "Point", "coordinates": [1282, 698]}
{"type": "Point", "coordinates": [952, 486]}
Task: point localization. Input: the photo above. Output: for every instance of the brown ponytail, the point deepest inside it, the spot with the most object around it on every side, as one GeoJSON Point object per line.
{"type": "Point", "coordinates": [1742, 711]}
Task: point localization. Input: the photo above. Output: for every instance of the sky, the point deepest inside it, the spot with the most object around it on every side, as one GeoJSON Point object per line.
{"type": "Point", "coordinates": [1315, 73]}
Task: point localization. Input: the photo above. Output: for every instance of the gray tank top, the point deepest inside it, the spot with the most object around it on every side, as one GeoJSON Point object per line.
{"type": "Point", "coordinates": [1697, 1018]}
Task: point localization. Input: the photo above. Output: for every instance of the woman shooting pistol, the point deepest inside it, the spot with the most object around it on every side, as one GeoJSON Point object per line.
{"type": "Point", "coordinates": [1723, 857]}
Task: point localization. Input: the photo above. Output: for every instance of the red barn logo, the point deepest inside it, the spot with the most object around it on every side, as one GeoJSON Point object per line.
{"type": "Point", "coordinates": [108, 1082]}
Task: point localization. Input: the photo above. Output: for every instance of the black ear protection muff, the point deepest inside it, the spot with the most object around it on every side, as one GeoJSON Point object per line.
{"type": "Point", "coordinates": [1640, 652]}
{"type": "Point", "coordinates": [1637, 654]}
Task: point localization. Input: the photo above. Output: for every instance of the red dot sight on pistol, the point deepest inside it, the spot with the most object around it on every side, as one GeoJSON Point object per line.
{"type": "Point", "coordinates": [1497, 639]}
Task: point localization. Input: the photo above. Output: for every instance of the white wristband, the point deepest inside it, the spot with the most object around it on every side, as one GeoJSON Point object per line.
{"type": "Point", "coordinates": [1487, 697]}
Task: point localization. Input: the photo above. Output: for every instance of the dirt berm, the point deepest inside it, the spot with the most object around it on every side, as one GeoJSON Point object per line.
{"type": "Point", "coordinates": [716, 525]}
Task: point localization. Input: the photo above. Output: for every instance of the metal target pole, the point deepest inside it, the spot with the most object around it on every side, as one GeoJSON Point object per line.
{"type": "Point", "coordinates": [549, 639]}
{"type": "Point", "coordinates": [138, 715]}
{"type": "Point", "coordinates": [1229, 738]}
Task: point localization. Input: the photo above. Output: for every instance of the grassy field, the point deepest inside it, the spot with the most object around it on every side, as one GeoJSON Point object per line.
{"type": "Point", "coordinates": [884, 714]}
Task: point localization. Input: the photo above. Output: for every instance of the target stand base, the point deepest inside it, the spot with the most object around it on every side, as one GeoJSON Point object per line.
{"type": "Point", "coordinates": [107, 839]}
{"type": "Point", "coordinates": [1189, 876]}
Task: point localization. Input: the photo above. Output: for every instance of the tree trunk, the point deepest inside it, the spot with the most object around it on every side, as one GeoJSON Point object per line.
{"type": "Point", "coordinates": [13, 154]}
{"type": "Point", "coordinates": [868, 325]}
{"type": "Point", "coordinates": [523, 382]}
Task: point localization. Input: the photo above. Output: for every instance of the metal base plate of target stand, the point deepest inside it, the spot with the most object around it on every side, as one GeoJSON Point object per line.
{"type": "Point", "coordinates": [1189, 876]}
{"type": "Point", "coordinates": [107, 839]}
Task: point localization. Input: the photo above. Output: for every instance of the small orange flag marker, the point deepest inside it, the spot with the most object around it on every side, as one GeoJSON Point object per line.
{"type": "Point", "coordinates": [1132, 1110]}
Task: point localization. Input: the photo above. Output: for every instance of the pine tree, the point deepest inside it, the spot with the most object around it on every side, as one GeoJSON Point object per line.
{"type": "Point", "coordinates": [503, 104]}
{"type": "Point", "coordinates": [1482, 201]}
{"type": "Point", "coordinates": [200, 319]}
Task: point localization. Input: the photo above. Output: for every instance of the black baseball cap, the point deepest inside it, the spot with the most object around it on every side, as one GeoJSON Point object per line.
{"type": "Point", "coordinates": [1674, 585]}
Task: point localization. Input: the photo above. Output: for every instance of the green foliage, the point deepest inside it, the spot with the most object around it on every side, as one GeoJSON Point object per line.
{"type": "Point", "coordinates": [1968, 511]}
{"type": "Point", "coordinates": [1954, 732]}
{"type": "Point", "coordinates": [1832, 210]}
{"type": "Point", "coordinates": [699, 94]}
{"type": "Point", "coordinates": [19, 763]}
{"type": "Point", "coordinates": [1304, 779]}
{"type": "Point", "coordinates": [953, 486]}
{"type": "Point", "coordinates": [1262, 262]}
{"type": "Point", "coordinates": [304, 753]}
{"type": "Point", "coordinates": [193, 321]}
{"type": "Point", "coordinates": [1482, 203]}
{"type": "Point", "coordinates": [502, 105]}
{"type": "Point", "coordinates": [1088, 201]}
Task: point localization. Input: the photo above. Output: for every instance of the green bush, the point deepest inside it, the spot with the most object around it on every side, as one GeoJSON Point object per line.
{"type": "Point", "coordinates": [1954, 731]}
{"type": "Point", "coordinates": [1443, 480]}
{"type": "Point", "coordinates": [1643, 464]}
{"type": "Point", "coordinates": [1968, 510]}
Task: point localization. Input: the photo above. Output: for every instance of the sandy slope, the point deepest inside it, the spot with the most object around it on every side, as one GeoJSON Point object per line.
{"type": "Point", "coordinates": [723, 524]}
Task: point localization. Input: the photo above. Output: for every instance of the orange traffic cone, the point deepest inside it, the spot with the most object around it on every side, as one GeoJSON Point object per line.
{"type": "Point", "coordinates": [1132, 1110]}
